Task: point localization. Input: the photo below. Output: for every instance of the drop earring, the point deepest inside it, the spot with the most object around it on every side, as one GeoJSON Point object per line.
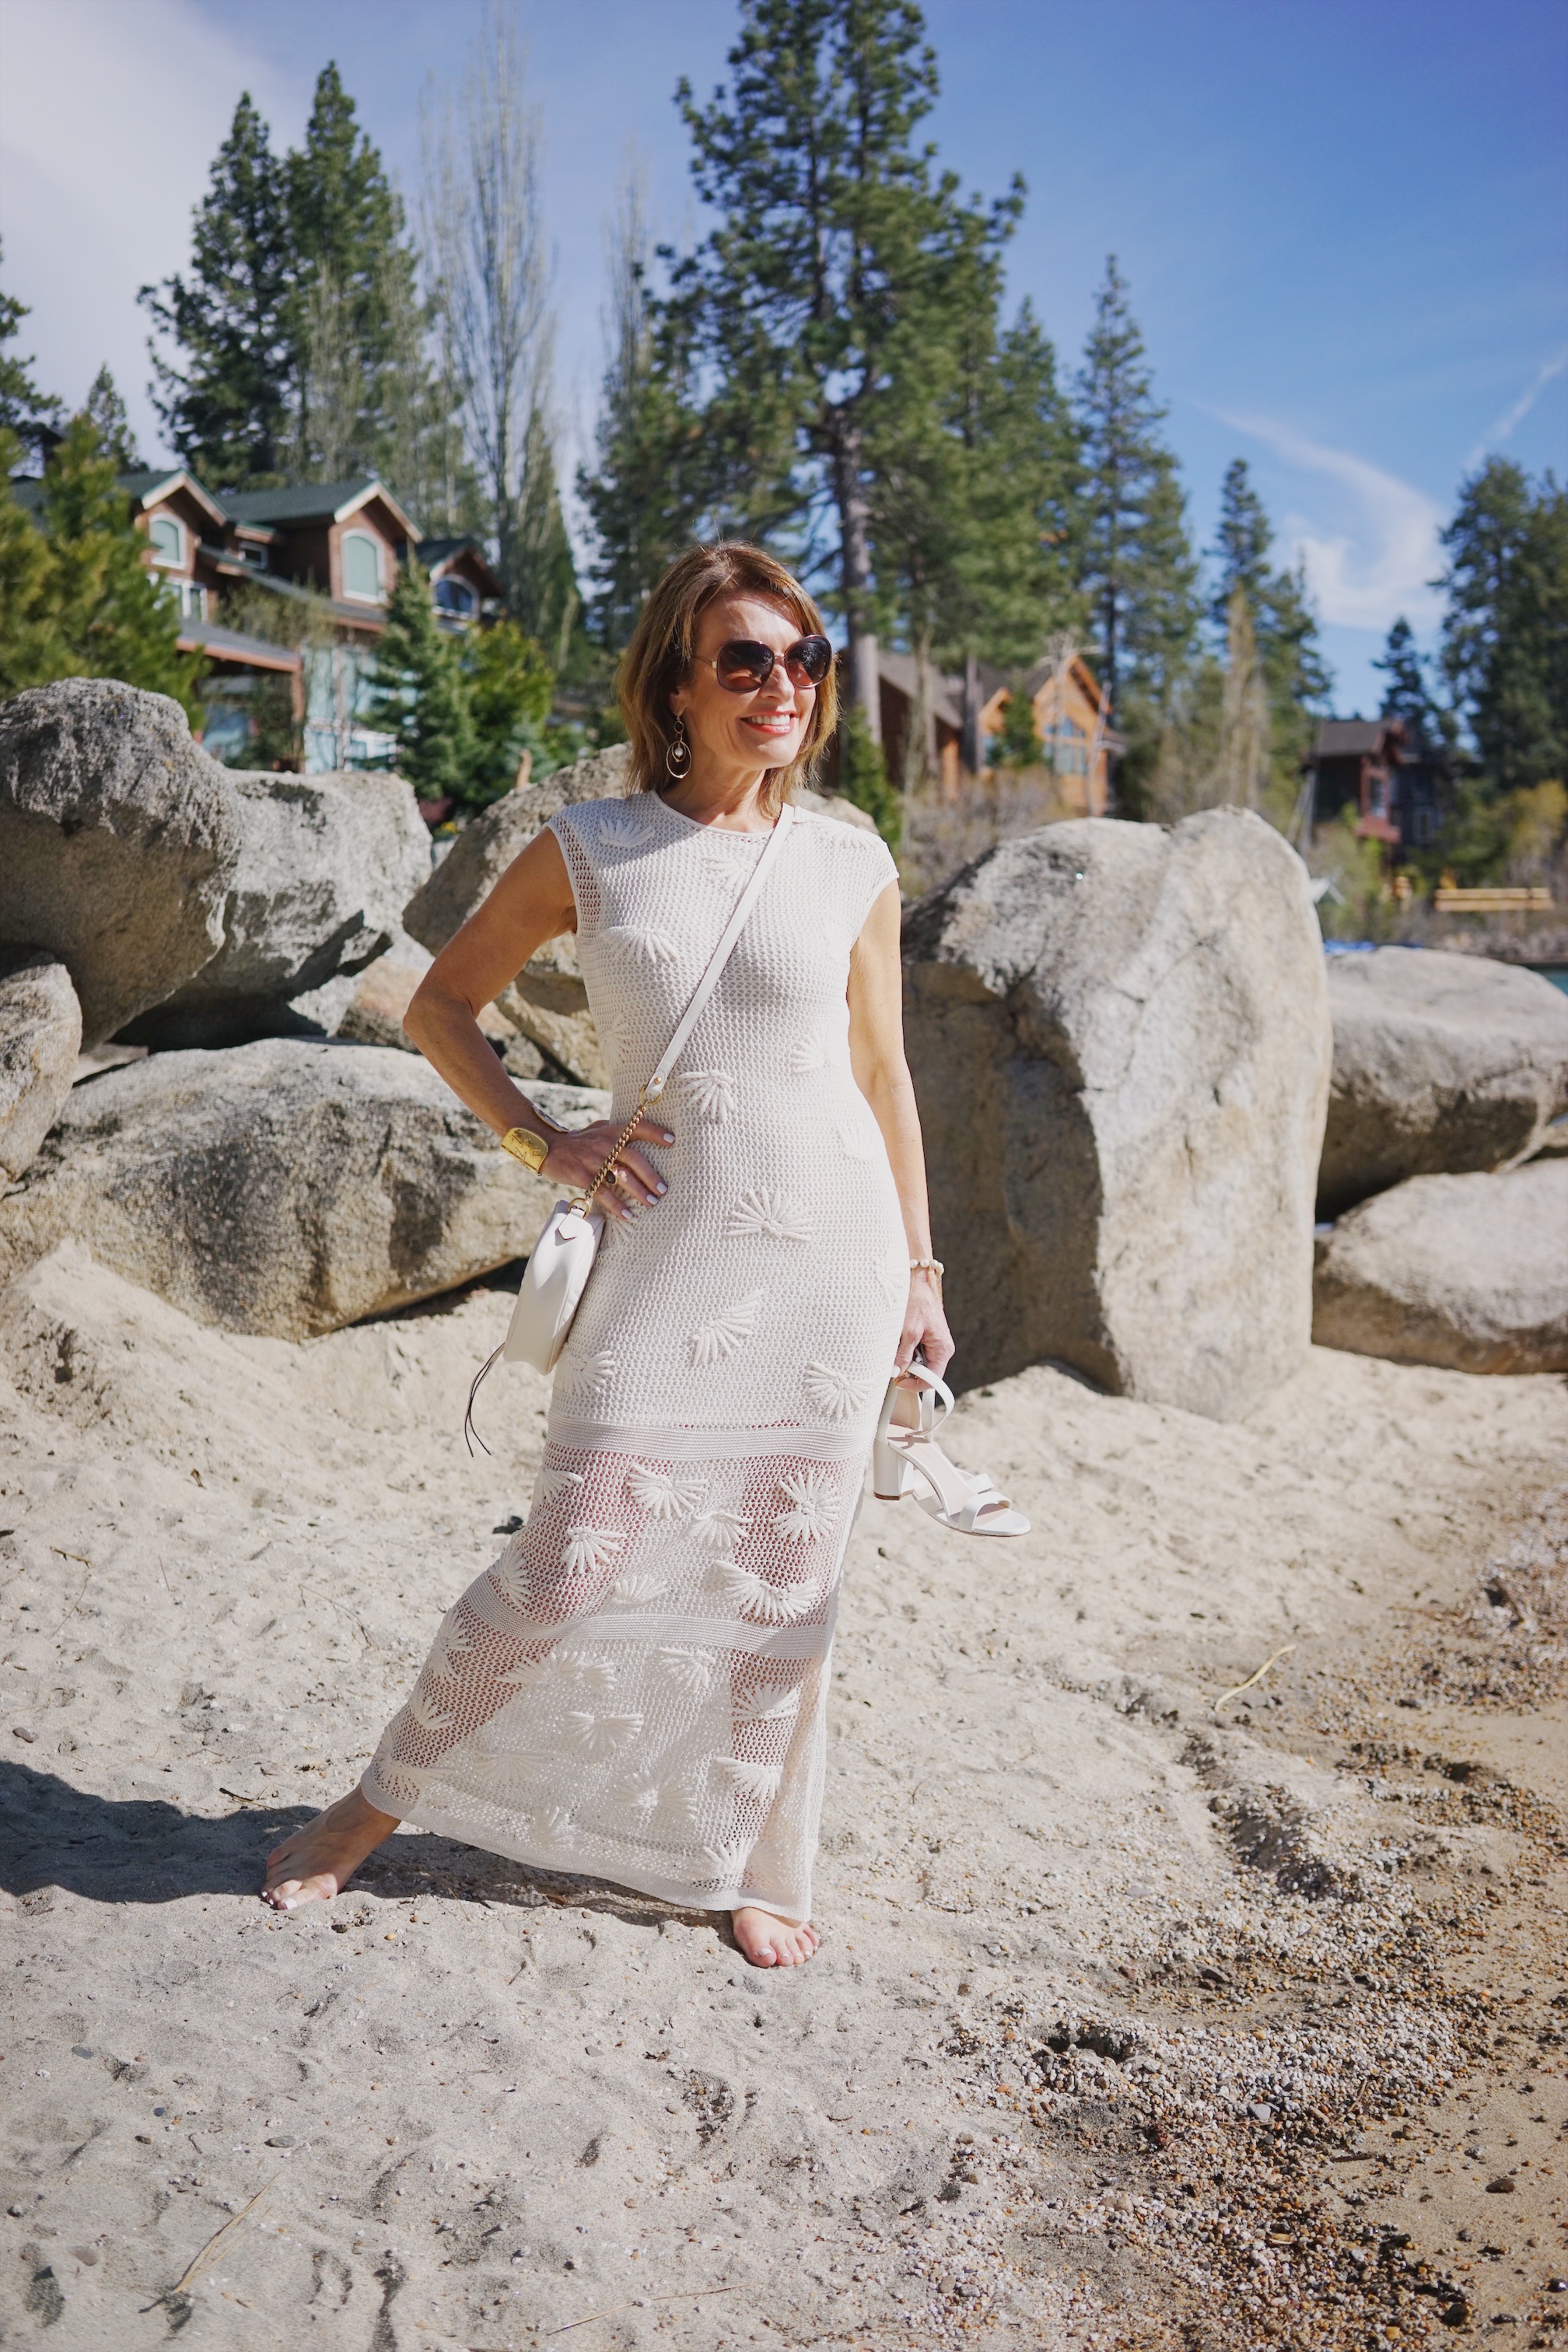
{"type": "Point", "coordinates": [678, 753]}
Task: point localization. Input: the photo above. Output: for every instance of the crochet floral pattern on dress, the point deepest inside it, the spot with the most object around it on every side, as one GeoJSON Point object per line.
{"type": "Point", "coordinates": [636, 1687]}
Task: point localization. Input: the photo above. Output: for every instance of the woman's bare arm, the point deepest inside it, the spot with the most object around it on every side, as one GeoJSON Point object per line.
{"type": "Point", "coordinates": [533, 902]}
{"type": "Point", "coordinates": [882, 1075]}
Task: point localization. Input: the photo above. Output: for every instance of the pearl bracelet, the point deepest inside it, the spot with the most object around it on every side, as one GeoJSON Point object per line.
{"type": "Point", "coordinates": [928, 1266]}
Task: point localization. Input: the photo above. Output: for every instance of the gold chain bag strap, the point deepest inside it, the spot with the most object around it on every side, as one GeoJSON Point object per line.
{"type": "Point", "coordinates": [562, 1259]}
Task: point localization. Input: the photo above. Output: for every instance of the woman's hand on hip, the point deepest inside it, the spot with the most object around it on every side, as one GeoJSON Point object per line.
{"type": "Point", "coordinates": [925, 1331]}
{"type": "Point", "coordinates": [577, 1154]}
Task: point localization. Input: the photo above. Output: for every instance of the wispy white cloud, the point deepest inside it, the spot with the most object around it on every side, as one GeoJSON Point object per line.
{"type": "Point", "coordinates": [109, 119]}
{"type": "Point", "coordinates": [1496, 435]}
{"type": "Point", "coordinates": [1373, 555]}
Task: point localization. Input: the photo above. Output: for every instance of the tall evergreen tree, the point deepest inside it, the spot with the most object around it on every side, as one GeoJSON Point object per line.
{"type": "Point", "coordinates": [645, 492]}
{"type": "Point", "coordinates": [1406, 694]}
{"type": "Point", "coordinates": [110, 614]}
{"type": "Point", "coordinates": [1283, 628]}
{"type": "Point", "coordinates": [25, 411]}
{"type": "Point", "coordinates": [106, 410]}
{"type": "Point", "coordinates": [32, 649]}
{"type": "Point", "coordinates": [543, 597]}
{"type": "Point", "coordinates": [1505, 638]}
{"type": "Point", "coordinates": [355, 321]}
{"type": "Point", "coordinates": [974, 513]}
{"type": "Point", "coordinates": [510, 687]}
{"type": "Point", "coordinates": [820, 303]}
{"type": "Point", "coordinates": [420, 694]}
{"type": "Point", "coordinates": [228, 409]}
{"type": "Point", "coordinates": [1137, 565]}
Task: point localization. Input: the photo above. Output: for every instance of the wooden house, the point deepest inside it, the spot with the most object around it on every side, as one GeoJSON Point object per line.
{"type": "Point", "coordinates": [1382, 774]}
{"type": "Point", "coordinates": [1072, 721]}
{"type": "Point", "coordinates": [464, 583]}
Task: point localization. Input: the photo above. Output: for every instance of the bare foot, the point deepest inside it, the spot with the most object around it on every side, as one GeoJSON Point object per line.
{"type": "Point", "coordinates": [317, 1861]}
{"type": "Point", "coordinates": [769, 1942]}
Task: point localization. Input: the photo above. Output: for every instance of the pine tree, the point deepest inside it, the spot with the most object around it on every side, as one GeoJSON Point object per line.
{"type": "Point", "coordinates": [228, 411]}
{"type": "Point", "coordinates": [509, 687]}
{"type": "Point", "coordinates": [1136, 561]}
{"type": "Point", "coordinates": [541, 587]}
{"type": "Point", "coordinates": [863, 777]}
{"type": "Point", "coordinates": [1407, 694]}
{"type": "Point", "coordinates": [106, 410]}
{"type": "Point", "coordinates": [645, 493]}
{"type": "Point", "coordinates": [32, 649]}
{"type": "Point", "coordinates": [1282, 625]}
{"type": "Point", "coordinates": [25, 411]}
{"type": "Point", "coordinates": [110, 610]}
{"type": "Point", "coordinates": [355, 321]}
{"type": "Point", "coordinates": [1505, 636]}
{"type": "Point", "coordinates": [1018, 745]}
{"type": "Point", "coordinates": [1009, 586]}
{"type": "Point", "coordinates": [420, 694]}
{"type": "Point", "coordinates": [819, 305]}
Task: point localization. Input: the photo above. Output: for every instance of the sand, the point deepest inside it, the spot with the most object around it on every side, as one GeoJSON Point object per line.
{"type": "Point", "coordinates": [1136, 2023]}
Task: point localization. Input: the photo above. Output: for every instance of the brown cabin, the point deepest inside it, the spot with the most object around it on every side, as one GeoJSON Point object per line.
{"type": "Point", "coordinates": [1072, 719]}
{"type": "Point", "coordinates": [1380, 773]}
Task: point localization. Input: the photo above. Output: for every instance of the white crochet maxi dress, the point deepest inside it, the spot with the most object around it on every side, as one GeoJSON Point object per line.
{"type": "Point", "coordinates": [637, 1689]}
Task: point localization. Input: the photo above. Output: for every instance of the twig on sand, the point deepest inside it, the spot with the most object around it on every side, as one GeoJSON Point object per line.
{"type": "Point", "coordinates": [688, 2294]}
{"type": "Point", "coordinates": [203, 2257]}
{"type": "Point", "coordinates": [1257, 1678]}
{"type": "Point", "coordinates": [81, 1590]}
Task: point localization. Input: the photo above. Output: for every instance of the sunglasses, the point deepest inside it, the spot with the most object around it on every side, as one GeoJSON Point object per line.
{"type": "Point", "coordinates": [744, 664]}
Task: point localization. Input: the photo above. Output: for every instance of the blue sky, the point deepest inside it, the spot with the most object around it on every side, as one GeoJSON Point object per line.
{"type": "Point", "coordinates": [1345, 225]}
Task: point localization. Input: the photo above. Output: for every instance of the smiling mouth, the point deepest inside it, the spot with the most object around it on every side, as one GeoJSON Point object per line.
{"type": "Point", "coordinates": [775, 723]}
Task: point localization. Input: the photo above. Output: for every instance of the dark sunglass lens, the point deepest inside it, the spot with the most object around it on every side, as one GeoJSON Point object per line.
{"type": "Point", "coordinates": [744, 663]}
{"type": "Point", "coordinates": [809, 659]}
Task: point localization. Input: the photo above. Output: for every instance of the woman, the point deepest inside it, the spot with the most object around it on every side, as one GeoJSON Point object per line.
{"type": "Point", "coordinates": [636, 1688]}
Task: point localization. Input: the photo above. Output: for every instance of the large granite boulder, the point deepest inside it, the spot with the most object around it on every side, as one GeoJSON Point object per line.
{"type": "Point", "coordinates": [326, 865]}
{"type": "Point", "coordinates": [547, 1001]}
{"type": "Point", "coordinates": [287, 1186]}
{"type": "Point", "coordinates": [1443, 1065]}
{"type": "Point", "coordinates": [119, 839]}
{"type": "Point", "coordinates": [1470, 1272]}
{"type": "Point", "coordinates": [1120, 1043]}
{"type": "Point", "coordinates": [40, 1037]}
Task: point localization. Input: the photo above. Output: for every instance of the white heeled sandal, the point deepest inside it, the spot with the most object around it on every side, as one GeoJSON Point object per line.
{"type": "Point", "coordinates": [906, 1459]}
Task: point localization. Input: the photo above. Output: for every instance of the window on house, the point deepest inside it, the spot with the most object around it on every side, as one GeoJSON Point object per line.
{"type": "Point", "coordinates": [1069, 748]}
{"type": "Point", "coordinates": [456, 596]}
{"type": "Point", "coordinates": [362, 566]}
{"type": "Point", "coordinates": [167, 539]}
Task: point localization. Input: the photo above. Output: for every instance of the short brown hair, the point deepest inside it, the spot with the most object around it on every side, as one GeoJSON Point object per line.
{"type": "Point", "coordinates": [659, 657]}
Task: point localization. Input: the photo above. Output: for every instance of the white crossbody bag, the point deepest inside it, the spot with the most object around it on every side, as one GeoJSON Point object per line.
{"type": "Point", "coordinates": [562, 1259]}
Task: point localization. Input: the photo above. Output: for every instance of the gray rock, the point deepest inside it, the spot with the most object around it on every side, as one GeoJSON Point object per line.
{"type": "Point", "coordinates": [1443, 1065]}
{"type": "Point", "coordinates": [326, 865]}
{"type": "Point", "coordinates": [547, 1001]}
{"type": "Point", "coordinates": [1470, 1272]}
{"type": "Point", "coordinates": [1120, 1043]}
{"type": "Point", "coordinates": [40, 1035]}
{"type": "Point", "coordinates": [283, 1187]}
{"type": "Point", "coordinates": [484, 849]}
{"type": "Point", "coordinates": [119, 839]}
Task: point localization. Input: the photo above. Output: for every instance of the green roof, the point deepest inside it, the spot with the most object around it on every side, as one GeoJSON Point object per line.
{"type": "Point", "coordinates": [142, 478]}
{"type": "Point", "coordinates": [297, 501]}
